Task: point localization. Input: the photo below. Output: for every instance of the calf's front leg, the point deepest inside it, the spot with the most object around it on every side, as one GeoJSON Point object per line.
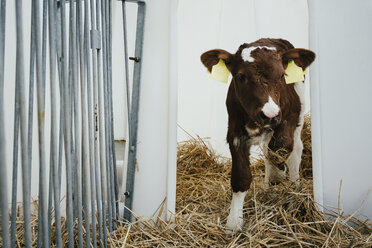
{"type": "Point", "coordinates": [241, 178]}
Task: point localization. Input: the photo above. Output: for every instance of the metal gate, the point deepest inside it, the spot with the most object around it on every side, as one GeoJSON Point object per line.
{"type": "Point", "coordinates": [70, 65]}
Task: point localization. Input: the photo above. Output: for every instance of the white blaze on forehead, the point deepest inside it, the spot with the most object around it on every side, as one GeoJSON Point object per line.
{"type": "Point", "coordinates": [270, 109]}
{"type": "Point", "coordinates": [246, 52]}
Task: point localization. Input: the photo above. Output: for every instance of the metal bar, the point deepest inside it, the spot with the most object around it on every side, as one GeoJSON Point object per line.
{"type": "Point", "coordinates": [60, 72]}
{"type": "Point", "coordinates": [3, 174]}
{"type": "Point", "coordinates": [95, 102]}
{"type": "Point", "coordinates": [107, 127]}
{"type": "Point", "coordinates": [108, 115]}
{"type": "Point", "coordinates": [53, 140]}
{"type": "Point", "coordinates": [90, 122]}
{"type": "Point", "coordinates": [43, 65]}
{"type": "Point", "coordinates": [134, 111]}
{"type": "Point", "coordinates": [31, 86]}
{"type": "Point", "coordinates": [101, 128]}
{"type": "Point", "coordinates": [40, 71]}
{"type": "Point", "coordinates": [40, 76]}
{"type": "Point", "coordinates": [86, 158]}
{"type": "Point", "coordinates": [67, 128]}
{"type": "Point", "coordinates": [15, 164]}
{"type": "Point", "coordinates": [114, 190]}
{"type": "Point", "coordinates": [73, 78]}
{"type": "Point", "coordinates": [26, 169]}
{"type": "Point", "coordinates": [16, 131]}
{"type": "Point", "coordinates": [126, 55]}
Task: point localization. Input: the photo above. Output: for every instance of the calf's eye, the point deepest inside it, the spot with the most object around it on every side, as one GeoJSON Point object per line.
{"type": "Point", "coordinates": [241, 77]}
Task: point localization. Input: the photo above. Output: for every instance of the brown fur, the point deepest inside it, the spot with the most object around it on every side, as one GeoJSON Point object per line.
{"type": "Point", "coordinates": [250, 87]}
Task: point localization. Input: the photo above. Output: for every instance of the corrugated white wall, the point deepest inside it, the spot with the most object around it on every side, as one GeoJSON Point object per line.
{"type": "Point", "coordinates": [209, 24]}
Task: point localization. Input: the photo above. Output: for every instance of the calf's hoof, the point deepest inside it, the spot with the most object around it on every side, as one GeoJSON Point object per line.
{"type": "Point", "coordinates": [234, 224]}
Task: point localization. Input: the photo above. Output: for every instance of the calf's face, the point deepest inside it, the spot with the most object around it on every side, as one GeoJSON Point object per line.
{"type": "Point", "coordinates": [258, 78]}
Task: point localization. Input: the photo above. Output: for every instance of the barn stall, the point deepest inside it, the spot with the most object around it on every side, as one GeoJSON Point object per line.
{"type": "Point", "coordinates": [283, 216]}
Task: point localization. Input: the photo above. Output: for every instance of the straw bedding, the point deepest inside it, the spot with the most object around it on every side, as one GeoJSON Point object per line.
{"type": "Point", "coordinates": [283, 216]}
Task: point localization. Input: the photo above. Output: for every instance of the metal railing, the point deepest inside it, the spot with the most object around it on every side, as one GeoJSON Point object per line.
{"type": "Point", "coordinates": [81, 139]}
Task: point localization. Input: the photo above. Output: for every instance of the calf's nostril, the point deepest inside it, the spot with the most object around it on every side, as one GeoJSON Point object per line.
{"type": "Point", "coordinates": [276, 118]}
{"type": "Point", "coordinates": [263, 116]}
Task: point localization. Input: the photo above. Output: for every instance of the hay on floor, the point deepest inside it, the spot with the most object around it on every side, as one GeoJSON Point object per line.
{"type": "Point", "coordinates": [283, 216]}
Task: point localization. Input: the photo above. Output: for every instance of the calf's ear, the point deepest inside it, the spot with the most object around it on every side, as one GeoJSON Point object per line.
{"type": "Point", "coordinates": [302, 57]}
{"type": "Point", "coordinates": [212, 57]}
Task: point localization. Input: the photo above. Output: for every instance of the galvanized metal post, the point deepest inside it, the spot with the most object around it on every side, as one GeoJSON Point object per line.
{"type": "Point", "coordinates": [95, 45]}
{"type": "Point", "coordinates": [73, 79]}
{"type": "Point", "coordinates": [54, 122]}
{"type": "Point", "coordinates": [40, 71]}
{"type": "Point", "coordinates": [105, 101]}
{"type": "Point", "coordinates": [114, 189]}
{"type": "Point", "coordinates": [126, 55]}
{"type": "Point", "coordinates": [26, 169]}
{"type": "Point", "coordinates": [134, 111]}
{"type": "Point", "coordinates": [67, 128]}
{"type": "Point", "coordinates": [84, 120]}
{"type": "Point", "coordinates": [101, 127]}
{"type": "Point", "coordinates": [3, 173]}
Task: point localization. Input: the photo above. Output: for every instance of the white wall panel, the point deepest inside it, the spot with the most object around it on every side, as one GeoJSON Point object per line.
{"type": "Point", "coordinates": [341, 106]}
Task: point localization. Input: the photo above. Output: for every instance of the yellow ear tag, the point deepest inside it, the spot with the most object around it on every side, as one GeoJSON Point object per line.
{"type": "Point", "coordinates": [294, 73]}
{"type": "Point", "coordinates": [220, 72]}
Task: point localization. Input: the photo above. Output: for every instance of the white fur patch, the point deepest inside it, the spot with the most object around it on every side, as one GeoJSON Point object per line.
{"type": "Point", "coordinates": [252, 132]}
{"type": "Point", "coordinates": [236, 142]}
{"type": "Point", "coordinates": [246, 52]}
{"type": "Point", "coordinates": [235, 218]}
{"type": "Point", "coordinates": [270, 109]}
{"type": "Point", "coordinates": [294, 158]}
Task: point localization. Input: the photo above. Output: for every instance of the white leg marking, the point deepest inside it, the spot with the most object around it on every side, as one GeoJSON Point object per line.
{"type": "Point", "coordinates": [294, 158]}
{"type": "Point", "coordinates": [235, 218]}
{"type": "Point", "coordinates": [270, 109]}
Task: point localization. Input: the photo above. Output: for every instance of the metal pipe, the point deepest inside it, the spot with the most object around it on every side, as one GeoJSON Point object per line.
{"type": "Point", "coordinates": [73, 78]}
{"type": "Point", "coordinates": [90, 122]}
{"type": "Point", "coordinates": [83, 93]}
{"type": "Point", "coordinates": [60, 72]}
{"type": "Point", "coordinates": [53, 140]}
{"type": "Point", "coordinates": [17, 130]}
{"type": "Point", "coordinates": [3, 173]}
{"type": "Point", "coordinates": [67, 128]}
{"type": "Point", "coordinates": [134, 111]}
{"type": "Point", "coordinates": [26, 169]}
{"type": "Point", "coordinates": [126, 55]}
{"type": "Point", "coordinates": [114, 189]}
{"type": "Point", "coordinates": [101, 127]}
{"type": "Point", "coordinates": [95, 45]}
{"type": "Point", "coordinates": [107, 127]}
{"type": "Point", "coordinates": [40, 42]}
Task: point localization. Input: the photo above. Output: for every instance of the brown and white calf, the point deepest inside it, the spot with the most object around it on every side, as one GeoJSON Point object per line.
{"type": "Point", "coordinates": [263, 110]}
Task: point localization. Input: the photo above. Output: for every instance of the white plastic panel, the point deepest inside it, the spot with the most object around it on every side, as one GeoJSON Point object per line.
{"type": "Point", "coordinates": [340, 32]}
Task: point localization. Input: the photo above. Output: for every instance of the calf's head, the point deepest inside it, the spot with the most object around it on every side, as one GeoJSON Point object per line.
{"type": "Point", "coordinates": [258, 77]}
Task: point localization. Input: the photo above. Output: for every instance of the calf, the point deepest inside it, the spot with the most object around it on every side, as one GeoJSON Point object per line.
{"type": "Point", "coordinates": [263, 110]}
